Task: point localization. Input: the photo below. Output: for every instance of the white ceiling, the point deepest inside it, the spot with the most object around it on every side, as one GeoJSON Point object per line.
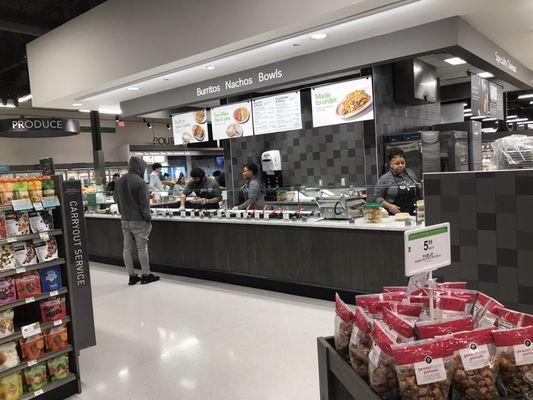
{"type": "Point", "coordinates": [508, 23]}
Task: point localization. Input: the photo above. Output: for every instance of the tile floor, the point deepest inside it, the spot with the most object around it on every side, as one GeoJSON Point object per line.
{"type": "Point", "coordinates": [189, 339]}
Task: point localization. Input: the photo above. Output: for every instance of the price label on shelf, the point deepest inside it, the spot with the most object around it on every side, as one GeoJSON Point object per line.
{"type": "Point", "coordinates": [30, 300]}
{"type": "Point", "coordinates": [11, 239]}
{"type": "Point", "coordinates": [38, 392]}
{"type": "Point", "coordinates": [38, 206]}
{"type": "Point", "coordinates": [30, 330]}
{"type": "Point", "coordinates": [50, 202]}
{"type": "Point", "coordinates": [32, 363]}
{"type": "Point", "coordinates": [44, 236]}
{"type": "Point", "coordinates": [54, 293]}
{"type": "Point", "coordinates": [58, 322]}
{"type": "Point", "coordinates": [427, 249]}
{"type": "Point", "coordinates": [20, 270]}
{"type": "Point", "coordinates": [21, 205]}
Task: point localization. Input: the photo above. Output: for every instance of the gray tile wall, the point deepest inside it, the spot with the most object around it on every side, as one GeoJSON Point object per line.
{"type": "Point", "coordinates": [492, 231]}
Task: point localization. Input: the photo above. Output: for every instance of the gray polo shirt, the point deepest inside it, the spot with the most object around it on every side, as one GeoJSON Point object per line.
{"type": "Point", "coordinates": [207, 188]}
{"type": "Point", "coordinates": [254, 195]}
{"type": "Point", "coordinates": [387, 186]}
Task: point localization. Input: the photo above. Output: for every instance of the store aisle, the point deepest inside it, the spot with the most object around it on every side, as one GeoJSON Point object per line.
{"type": "Point", "coordinates": [189, 339]}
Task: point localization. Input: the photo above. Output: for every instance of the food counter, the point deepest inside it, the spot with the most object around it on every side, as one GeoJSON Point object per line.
{"type": "Point", "coordinates": [312, 258]}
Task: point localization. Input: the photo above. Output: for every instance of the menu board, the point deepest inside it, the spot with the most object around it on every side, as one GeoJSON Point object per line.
{"type": "Point", "coordinates": [343, 102]}
{"type": "Point", "coordinates": [277, 113]}
{"type": "Point", "coordinates": [190, 127]}
{"type": "Point", "coordinates": [480, 103]}
{"type": "Point", "coordinates": [232, 121]}
{"type": "Point", "coordinates": [496, 101]}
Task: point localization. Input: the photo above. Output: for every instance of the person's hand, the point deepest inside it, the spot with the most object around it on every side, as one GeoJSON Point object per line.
{"type": "Point", "coordinates": [195, 200]}
{"type": "Point", "coordinates": [393, 208]}
{"type": "Point", "coordinates": [203, 201]}
{"type": "Point", "coordinates": [235, 208]}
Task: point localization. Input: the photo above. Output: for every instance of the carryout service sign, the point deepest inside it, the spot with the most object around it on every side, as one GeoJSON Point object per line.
{"type": "Point", "coordinates": [38, 127]}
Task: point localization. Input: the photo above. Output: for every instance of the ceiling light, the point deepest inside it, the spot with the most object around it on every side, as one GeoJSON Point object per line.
{"type": "Point", "coordinates": [531, 102]}
{"type": "Point", "coordinates": [7, 105]}
{"type": "Point", "coordinates": [468, 115]}
{"type": "Point", "coordinates": [455, 61]}
{"type": "Point", "coordinates": [209, 67]}
{"type": "Point", "coordinates": [85, 111]}
{"type": "Point", "coordinates": [516, 120]}
{"type": "Point", "coordinates": [319, 36]}
{"type": "Point", "coordinates": [133, 88]}
{"type": "Point", "coordinates": [296, 45]}
{"type": "Point", "coordinates": [77, 104]}
{"type": "Point", "coordinates": [169, 127]}
{"type": "Point", "coordinates": [103, 110]}
{"type": "Point", "coordinates": [467, 110]}
{"type": "Point", "coordinates": [489, 119]}
{"type": "Point", "coordinates": [526, 96]}
{"type": "Point", "coordinates": [485, 75]}
{"type": "Point", "coordinates": [117, 118]}
{"type": "Point", "coordinates": [512, 116]}
{"type": "Point", "coordinates": [465, 104]}
{"type": "Point", "coordinates": [24, 98]}
{"type": "Point", "coordinates": [478, 116]}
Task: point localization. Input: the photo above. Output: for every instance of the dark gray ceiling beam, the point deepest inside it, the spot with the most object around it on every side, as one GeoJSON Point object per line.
{"type": "Point", "coordinates": [24, 29]}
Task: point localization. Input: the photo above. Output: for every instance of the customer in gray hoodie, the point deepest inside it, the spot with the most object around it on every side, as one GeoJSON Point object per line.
{"type": "Point", "coordinates": [131, 196]}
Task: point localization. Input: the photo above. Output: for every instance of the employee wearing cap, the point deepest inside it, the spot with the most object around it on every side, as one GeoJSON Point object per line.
{"type": "Point", "coordinates": [207, 191]}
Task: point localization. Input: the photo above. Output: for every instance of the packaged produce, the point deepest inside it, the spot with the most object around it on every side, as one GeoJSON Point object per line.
{"type": "Point", "coordinates": [424, 368]}
{"type": "Point", "coordinates": [51, 278]}
{"type": "Point", "coordinates": [20, 187]}
{"type": "Point", "coordinates": [372, 212]}
{"type": "Point", "coordinates": [431, 329]}
{"type": "Point", "coordinates": [11, 387]}
{"type": "Point", "coordinates": [6, 191]}
{"type": "Point", "coordinates": [344, 318]}
{"type": "Point", "coordinates": [56, 338]}
{"type": "Point", "coordinates": [36, 377]}
{"type": "Point", "coordinates": [381, 366]}
{"type": "Point", "coordinates": [514, 350]}
{"type": "Point", "coordinates": [3, 229]}
{"type": "Point", "coordinates": [9, 357]}
{"type": "Point", "coordinates": [41, 221]}
{"type": "Point", "coordinates": [17, 223]}
{"type": "Point", "coordinates": [58, 368]}
{"type": "Point", "coordinates": [25, 254]}
{"type": "Point", "coordinates": [6, 323]}
{"type": "Point", "coordinates": [35, 188]}
{"type": "Point", "coordinates": [401, 326]}
{"type": "Point", "coordinates": [8, 292]}
{"type": "Point", "coordinates": [48, 186]}
{"type": "Point", "coordinates": [53, 309]}
{"type": "Point", "coordinates": [46, 249]}
{"type": "Point", "coordinates": [7, 257]}
{"type": "Point", "coordinates": [475, 368]}
{"type": "Point", "coordinates": [32, 347]}
{"type": "Point", "coordinates": [360, 342]}
{"type": "Point", "coordinates": [28, 284]}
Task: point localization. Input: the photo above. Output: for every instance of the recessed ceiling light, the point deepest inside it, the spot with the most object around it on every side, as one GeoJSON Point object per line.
{"type": "Point", "coordinates": [512, 116]}
{"type": "Point", "coordinates": [208, 67]}
{"type": "Point", "coordinates": [133, 88]}
{"type": "Point", "coordinates": [116, 111]}
{"type": "Point", "coordinates": [465, 104]}
{"type": "Point", "coordinates": [85, 111]}
{"type": "Point", "coordinates": [526, 96]}
{"type": "Point", "coordinates": [455, 61]}
{"type": "Point", "coordinates": [77, 104]}
{"type": "Point", "coordinates": [24, 98]}
{"type": "Point", "coordinates": [478, 117]}
{"type": "Point", "coordinates": [468, 115]}
{"type": "Point", "coordinates": [531, 102]}
{"type": "Point", "coordinates": [485, 75]}
{"type": "Point", "coordinates": [467, 110]}
{"type": "Point", "coordinates": [490, 119]}
{"type": "Point", "coordinates": [319, 36]}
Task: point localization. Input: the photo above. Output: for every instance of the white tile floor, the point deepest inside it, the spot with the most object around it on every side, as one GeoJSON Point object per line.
{"type": "Point", "coordinates": [196, 340]}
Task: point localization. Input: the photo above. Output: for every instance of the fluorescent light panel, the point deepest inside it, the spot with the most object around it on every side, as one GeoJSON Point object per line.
{"type": "Point", "coordinates": [468, 115]}
{"type": "Point", "coordinates": [116, 111]}
{"type": "Point", "coordinates": [7, 105]}
{"type": "Point", "coordinates": [24, 98]}
{"type": "Point", "coordinates": [489, 119]}
{"type": "Point", "coordinates": [512, 116]}
{"type": "Point", "coordinates": [319, 36]}
{"type": "Point", "coordinates": [455, 61]}
{"type": "Point", "coordinates": [526, 96]}
{"type": "Point", "coordinates": [485, 75]}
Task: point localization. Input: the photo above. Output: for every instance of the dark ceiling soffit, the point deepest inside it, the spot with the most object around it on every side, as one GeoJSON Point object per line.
{"type": "Point", "coordinates": [24, 29]}
{"type": "Point", "coordinates": [455, 93]}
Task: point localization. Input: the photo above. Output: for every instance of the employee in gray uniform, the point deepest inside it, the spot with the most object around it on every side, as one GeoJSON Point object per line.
{"type": "Point", "coordinates": [398, 189]}
{"type": "Point", "coordinates": [253, 191]}
{"type": "Point", "coordinates": [207, 191]}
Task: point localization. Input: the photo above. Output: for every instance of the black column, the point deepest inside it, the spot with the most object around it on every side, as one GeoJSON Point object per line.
{"type": "Point", "coordinates": [98, 153]}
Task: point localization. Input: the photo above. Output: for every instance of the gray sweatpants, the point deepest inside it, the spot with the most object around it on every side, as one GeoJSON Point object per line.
{"type": "Point", "coordinates": [136, 238]}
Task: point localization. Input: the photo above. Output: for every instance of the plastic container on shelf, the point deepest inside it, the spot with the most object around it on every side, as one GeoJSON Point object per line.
{"type": "Point", "coordinates": [372, 213]}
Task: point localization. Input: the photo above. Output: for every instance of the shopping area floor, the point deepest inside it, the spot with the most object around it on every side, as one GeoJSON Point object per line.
{"type": "Point", "coordinates": [189, 339]}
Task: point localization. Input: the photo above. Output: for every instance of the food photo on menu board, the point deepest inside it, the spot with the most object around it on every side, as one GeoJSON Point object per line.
{"type": "Point", "coordinates": [232, 121]}
{"type": "Point", "coordinates": [190, 127]}
{"type": "Point", "coordinates": [343, 102]}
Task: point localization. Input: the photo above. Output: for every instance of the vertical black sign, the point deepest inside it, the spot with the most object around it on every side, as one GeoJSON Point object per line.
{"type": "Point", "coordinates": [480, 101]}
{"type": "Point", "coordinates": [496, 101]}
{"type": "Point", "coordinates": [78, 263]}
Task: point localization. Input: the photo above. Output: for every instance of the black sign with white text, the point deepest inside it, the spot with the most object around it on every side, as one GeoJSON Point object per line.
{"type": "Point", "coordinates": [38, 127]}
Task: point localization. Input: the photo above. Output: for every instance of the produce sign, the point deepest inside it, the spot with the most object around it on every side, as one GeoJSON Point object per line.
{"type": "Point", "coordinates": [38, 127]}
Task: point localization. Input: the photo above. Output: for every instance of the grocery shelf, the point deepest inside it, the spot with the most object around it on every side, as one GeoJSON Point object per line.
{"type": "Point", "coordinates": [6, 208]}
{"type": "Point", "coordinates": [23, 238]}
{"type": "Point", "coordinates": [27, 364]}
{"type": "Point", "coordinates": [35, 267]}
{"type": "Point", "coordinates": [42, 296]}
{"type": "Point", "coordinates": [48, 388]}
{"type": "Point", "coordinates": [47, 325]}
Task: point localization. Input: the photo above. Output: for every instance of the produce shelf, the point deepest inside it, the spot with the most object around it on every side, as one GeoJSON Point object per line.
{"type": "Point", "coordinates": [23, 238]}
{"type": "Point", "coordinates": [27, 364]}
{"type": "Point", "coordinates": [42, 296]}
{"type": "Point", "coordinates": [35, 267]}
{"type": "Point", "coordinates": [48, 388]}
{"type": "Point", "coordinates": [18, 334]}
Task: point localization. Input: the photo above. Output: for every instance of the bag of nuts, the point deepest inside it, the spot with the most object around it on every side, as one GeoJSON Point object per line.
{"type": "Point", "coordinates": [360, 342]}
{"type": "Point", "coordinates": [469, 296]}
{"type": "Point", "coordinates": [365, 300]}
{"type": "Point", "coordinates": [410, 310]}
{"type": "Point", "coordinates": [450, 307]}
{"type": "Point", "coordinates": [394, 289]}
{"type": "Point", "coordinates": [514, 351]}
{"type": "Point", "coordinates": [485, 311]}
{"type": "Point", "coordinates": [424, 368]}
{"type": "Point", "coordinates": [507, 319]}
{"type": "Point", "coordinates": [431, 329]}
{"type": "Point", "coordinates": [475, 367]}
{"type": "Point", "coordinates": [402, 327]}
{"type": "Point", "coordinates": [344, 318]}
{"type": "Point", "coordinates": [381, 366]}
{"type": "Point", "coordinates": [452, 285]}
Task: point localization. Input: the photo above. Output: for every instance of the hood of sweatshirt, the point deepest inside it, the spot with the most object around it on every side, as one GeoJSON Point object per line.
{"type": "Point", "coordinates": [137, 166]}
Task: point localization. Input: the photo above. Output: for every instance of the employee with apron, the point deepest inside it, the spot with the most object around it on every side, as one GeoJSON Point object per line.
{"type": "Point", "coordinates": [398, 189]}
{"type": "Point", "coordinates": [207, 191]}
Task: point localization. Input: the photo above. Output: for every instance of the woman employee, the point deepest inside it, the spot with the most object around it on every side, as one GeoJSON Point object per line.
{"type": "Point", "coordinates": [397, 190]}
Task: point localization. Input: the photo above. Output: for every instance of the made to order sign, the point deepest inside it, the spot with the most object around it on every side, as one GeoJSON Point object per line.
{"type": "Point", "coordinates": [427, 249]}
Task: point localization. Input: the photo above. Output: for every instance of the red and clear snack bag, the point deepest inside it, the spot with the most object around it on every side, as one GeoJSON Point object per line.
{"type": "Point", "coordinates": [344, 318]}
{"type": "Point", "coordinates": [452, 285]}
{"type": "Point", "coordinates": [484, 311]}
{"type": "Point", "coordinates": [28, 284]}
{"type": "Point", "coordinates": [431, 329]}
{"type": "Point", "coordinates": [361, 342]}
{"type": "Point", "coordinates": [514, 351]}
{"type": "Point", "coordinates": [401, 326]}
{"type": "Point", "coordinates": [377, 309]}
{"type": "Point", "coordinates": [475, 366]}
{"type": "Point", "coordinates": [450, 307]}
{"type": "Point", "coordinates": [394, 289]}
{"type": "Point", "coordinates": [365, 300]}
{"type": "Point", "coordinates": [469, 296]}
{"type": "Point", "coordinates": [424, 368]}
{"type": "Point", "coordinates": [53, 309]}
{"type": "Point", "coordinates": [381, 367]}
{"type": "Point", "coordinates": [507, 319]}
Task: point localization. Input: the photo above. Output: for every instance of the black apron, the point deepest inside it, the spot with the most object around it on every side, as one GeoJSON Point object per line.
{"type": "Point", "coordinates": [407, 196]}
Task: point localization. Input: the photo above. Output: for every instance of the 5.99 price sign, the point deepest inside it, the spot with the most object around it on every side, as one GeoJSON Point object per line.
{"type": "Point", "coordinates": [427, 249]}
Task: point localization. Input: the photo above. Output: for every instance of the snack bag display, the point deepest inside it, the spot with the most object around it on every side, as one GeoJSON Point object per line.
{"type": "Point", "coordinates": [424, 368]}
{"type": "Point", "coordinates": [20, 188]}
{"type": "Point", "coordinates": [8, 292]}
{"type": "Point", "coordinates": [6, 323]}
{"type": "Point", "coordinates": [401, 326]}
{"type": "Point", "coordinates": [53, 309]}
{"type": "Point", "coordinates": [25, 254]}
{"type": "Point", "coordinates": [56, 338]}
{"type": "Point", "coordinates": [450, 307]}
{"type": "Point", "coordinates": [475, 369]}
{"type": "Point", "coordinates": [344, 318]}
{"type": "Point", "coordinates": [7, 257]}
{"type": "Point", "coordinates": [28, 285]}
{"type": "Point", "coordinates": [46, 250]}
{"type": "Point", "coordinates": [36, 377]}
{"type": "Point", "coordinates": [514, 350]}
{"type": "Point", "coordinates": [381, 366]}
{"type": "Point", "coordinates": [58, 368]}
{"type": "Point", "coordinates": [35, 188]}
{"type": "Point", "coordinates": [48, 186]}
{"type": "Point", "coordinates": [9, 357]}
{"type": "Point", "coordinates": [360, 342]}
{"type": "Point", "coordinates": [431, 329]}
{"type": "Point", "coordinates": [365, 300]}
{"type": "Point", "coordinates": [410, 310]}
{"type": "Point", "coordinates": [485, 310]}
{"type": "Point", "coordinates": [51, 278]}
{"type": "Point", "coordinates": [3, 229]}
{"type": "Point", "coordinates": [41, 221]}
{"type": "Point", "coordinates": [11, 387]}
{"type": "Point", "coordinates": [17, 223]}
{"type": "Point", "coordinates": [6, 191]}
{"type": "Point", "coordinates": [32, 347]}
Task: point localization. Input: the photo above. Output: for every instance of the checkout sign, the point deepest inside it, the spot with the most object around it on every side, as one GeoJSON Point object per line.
{"type": "Point", "coordinates": [427, 249]}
